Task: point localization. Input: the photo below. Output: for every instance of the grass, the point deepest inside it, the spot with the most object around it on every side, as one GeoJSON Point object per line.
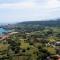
{"type": "Point", "coordinates": [51, 50]}
{"type": "Point", "coordinates": [32, 51]}
{"type": "Point", "coordinates": [3, 47]}
{"type": "Point", "coordinates": [23, 44]}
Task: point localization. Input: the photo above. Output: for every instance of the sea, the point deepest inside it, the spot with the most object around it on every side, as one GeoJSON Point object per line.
{"type": "Point", "coordinates": [2, 31]}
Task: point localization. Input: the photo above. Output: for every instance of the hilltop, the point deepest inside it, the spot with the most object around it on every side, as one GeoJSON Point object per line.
{"type": "Point", "coordinates": [42, 23]}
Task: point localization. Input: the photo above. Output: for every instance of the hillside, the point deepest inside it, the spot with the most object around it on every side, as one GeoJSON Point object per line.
{"type": "Point", "coordinates": [43, 23]}
{"type": "Point", "coordinates": [50, 23]}
{"type": "Point", "coordinates": [31, 40]}
{"type": "Point", "coordinates": [36, 25]}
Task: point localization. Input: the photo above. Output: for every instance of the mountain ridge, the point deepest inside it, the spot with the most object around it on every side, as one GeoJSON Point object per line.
{"type": "Point", "coordinates": [44, 23]}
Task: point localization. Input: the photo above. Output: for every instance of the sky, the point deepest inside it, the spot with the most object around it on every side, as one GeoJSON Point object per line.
{"type": "Point", "coordinates": [27, 10]}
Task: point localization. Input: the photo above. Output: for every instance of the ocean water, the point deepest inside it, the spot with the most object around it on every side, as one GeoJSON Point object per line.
{"type": "Point", "coordinates": [2, 31]}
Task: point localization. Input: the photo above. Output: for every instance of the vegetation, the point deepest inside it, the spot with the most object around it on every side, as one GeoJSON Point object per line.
{"type": "Point", "coordinates": [34, 41]}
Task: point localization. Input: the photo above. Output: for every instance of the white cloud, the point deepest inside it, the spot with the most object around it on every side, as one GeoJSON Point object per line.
{"type": "Point", "coordinates": [19, 5]}
{"type": "Point", "coordinates": [31, 10]}
{"type": "Point", "coordinates": [47, 4]}
{"type": "Point", "coordinates": [53, 4]}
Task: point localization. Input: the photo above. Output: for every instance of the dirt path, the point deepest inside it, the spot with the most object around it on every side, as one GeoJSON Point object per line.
{"type": "Point", "coordinates": [8, 35]}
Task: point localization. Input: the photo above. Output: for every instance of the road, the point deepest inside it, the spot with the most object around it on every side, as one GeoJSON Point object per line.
{"type": "Point", "coordinates": [7, 36]}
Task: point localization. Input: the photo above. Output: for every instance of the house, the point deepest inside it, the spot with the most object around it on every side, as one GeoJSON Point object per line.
{"type": "Point", "coordinates": [57, 44]}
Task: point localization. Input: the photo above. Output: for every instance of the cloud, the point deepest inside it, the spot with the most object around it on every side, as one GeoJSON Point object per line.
{"type": "Point", "coordinates": [30, 10]}
{"type": "Point", "coordinates": [33, 4]}
{"type": "Point", "coordinates": [19, 5]}
{"type": "Point", "coordinates": [53, 3]}
{"type": "Point", "coordinates": [47, 4]}
{"type": "Point", "coordinates": [11, 1]}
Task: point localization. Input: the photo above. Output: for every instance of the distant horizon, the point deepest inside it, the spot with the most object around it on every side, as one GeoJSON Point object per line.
{"type": "Point", "coordinates": [27, 21]}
